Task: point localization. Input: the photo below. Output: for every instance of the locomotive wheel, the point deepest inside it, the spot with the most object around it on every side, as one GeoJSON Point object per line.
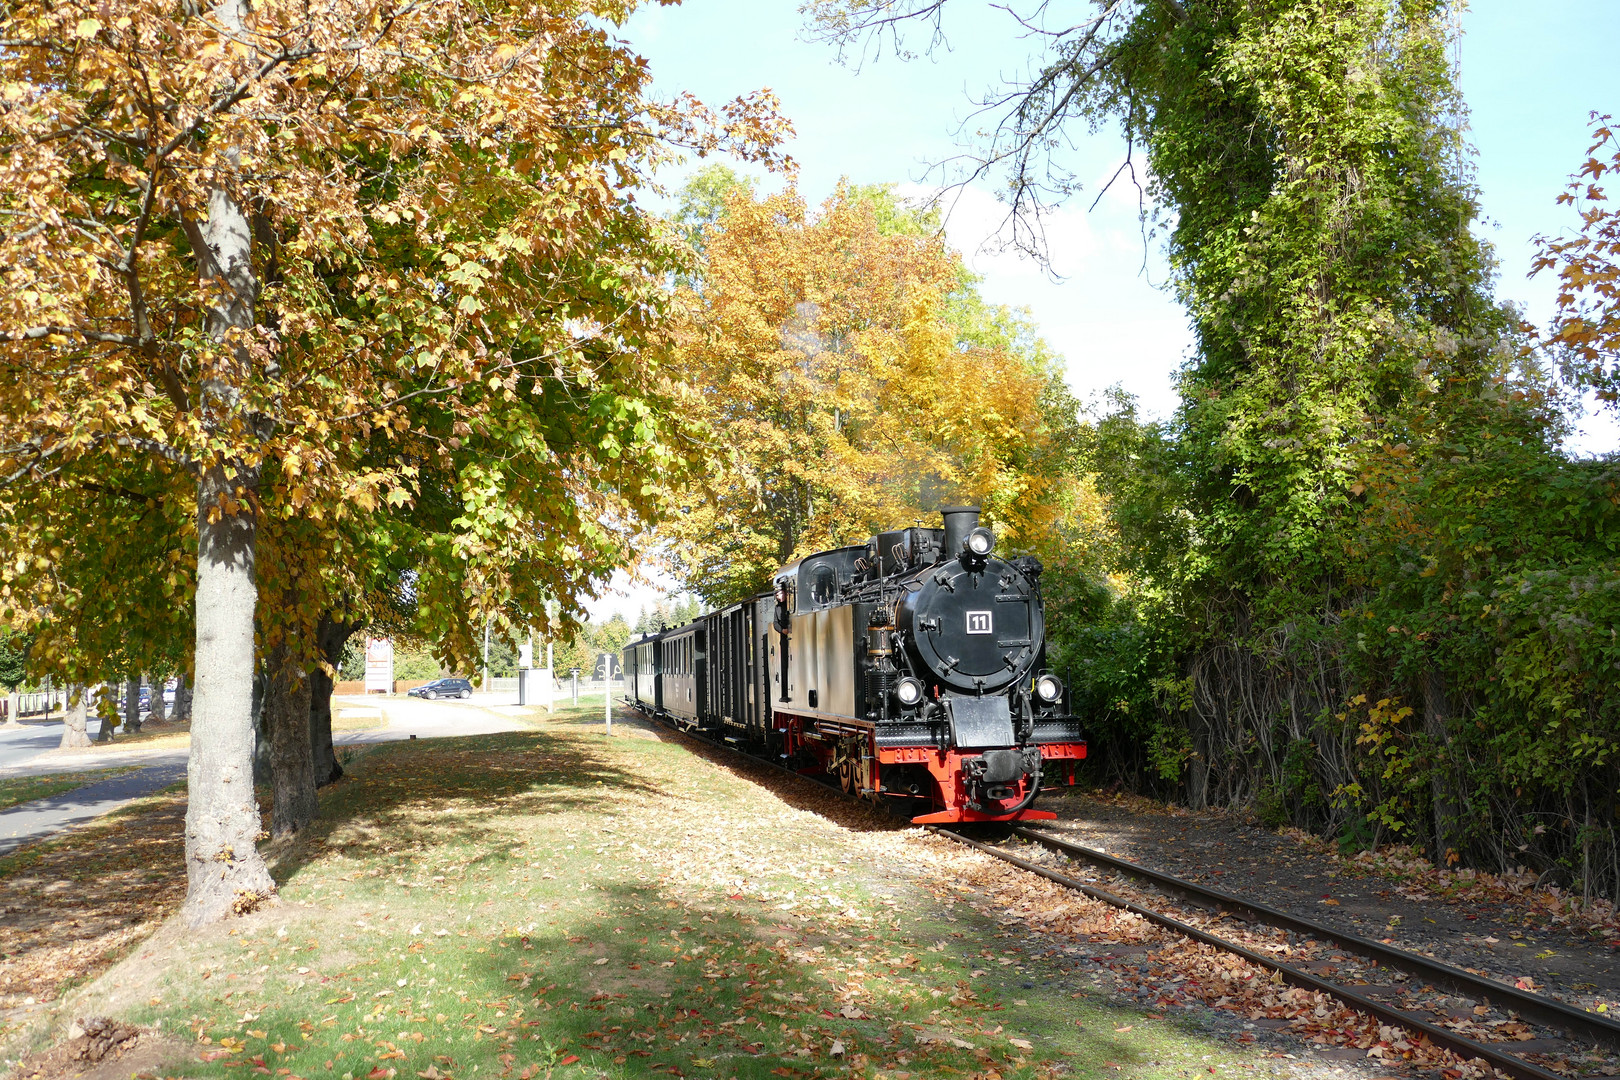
{"type": "Point", "coordinates": [846, 776]}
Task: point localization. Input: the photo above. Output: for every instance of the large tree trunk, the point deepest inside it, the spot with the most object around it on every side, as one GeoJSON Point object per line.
{"type": "Point", "coordinates": [224, 870]}
{"type": "Point", "coordinates": [132, 705]}
{"type": "Point", "coordinates": [74, 717]}
{"type": "Point", "coordinates": [292, 761]}
{"type": "Point", "coordinates": [330, 637]}
{"type": "Point", "coordinates": [13, 707]}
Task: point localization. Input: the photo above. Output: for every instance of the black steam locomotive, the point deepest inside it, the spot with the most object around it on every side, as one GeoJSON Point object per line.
{"type": "Point", "coordinates": [909, 668]}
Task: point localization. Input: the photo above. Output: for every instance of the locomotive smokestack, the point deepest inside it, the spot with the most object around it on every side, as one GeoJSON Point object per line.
{"type": "Point", "coordinates": [959, 521]}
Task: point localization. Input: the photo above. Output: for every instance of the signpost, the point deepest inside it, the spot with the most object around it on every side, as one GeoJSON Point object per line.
{"type": "Point", "coordinates": [606, 664]}
{"type": "Point", "coordinates": [379, 665]}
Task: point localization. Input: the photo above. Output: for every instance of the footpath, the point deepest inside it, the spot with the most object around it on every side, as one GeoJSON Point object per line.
{"type": "Point", "coordinates": [372, 721]}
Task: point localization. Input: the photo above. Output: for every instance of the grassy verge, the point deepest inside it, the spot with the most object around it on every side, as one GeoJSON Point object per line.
{"type": "Point", "coordinates": [160, 735]}
{"type": "Point", "coordinates": [557, 903]}
{"type": "Point", "coordinates": [21, 789]}
{"type": "Point", "coordinates": [357, 718]}
{"type": "Point", "coordinates": [77, 904]}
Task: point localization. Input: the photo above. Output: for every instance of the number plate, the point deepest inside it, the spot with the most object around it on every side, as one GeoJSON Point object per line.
{"type": "Point", "coordinates": [978, 622]}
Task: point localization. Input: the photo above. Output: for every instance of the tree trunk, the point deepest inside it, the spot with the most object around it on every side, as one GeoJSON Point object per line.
{"type": "Point", "coordinates": [14, 708]}
{"type": "Point", "coordinates": [1436, 712]}
{"type": "Point", "coordinates": [182, 699]}
{"type": "Point", "coordinates": [225, 873]}
{"type": "Point", "coordinates": [322, 754]}
{"type": "Point", "coordinates": [157, 714]}
{"type": "Point", "coordinates": [132, 705]}
{"type": "Point", "coordinates": [292, 760]}
{"type": "Point", "coordinates": [330, 637]}
{"type": "Point", "coordinates": [107, 709]}
{"type": "Point", "coordinates": [74, 733]}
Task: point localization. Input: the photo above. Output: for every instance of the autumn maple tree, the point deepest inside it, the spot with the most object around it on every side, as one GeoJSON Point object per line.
{"type": "Point", "coordinates": [1587, 326]}
{"type": "Point", "coordinates": [307, 269]}
{"type": "Point", "coordinates": [859, 383]}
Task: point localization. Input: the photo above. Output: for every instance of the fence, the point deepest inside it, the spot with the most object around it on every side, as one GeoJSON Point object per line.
{"type": "Point", "coordinates": [40, 703]}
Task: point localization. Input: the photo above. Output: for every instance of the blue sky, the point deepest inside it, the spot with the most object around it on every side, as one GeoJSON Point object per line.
{"type": "Point", "coordinates": [1531, 74]}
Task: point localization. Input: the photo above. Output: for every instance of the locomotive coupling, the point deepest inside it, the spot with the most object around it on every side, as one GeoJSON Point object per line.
{"type": "Point", "coordinates": [996, 774]}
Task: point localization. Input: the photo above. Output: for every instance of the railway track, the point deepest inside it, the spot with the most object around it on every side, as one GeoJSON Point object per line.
{"type": "Point", "coordinates": [1575, 1026]}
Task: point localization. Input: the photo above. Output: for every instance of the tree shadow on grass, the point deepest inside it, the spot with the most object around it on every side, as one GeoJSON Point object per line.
{"type": "Point", "coordinates": [486, 907]}
{"type": "Point", "coordinates": [399, 796]}
{"type": "Point", "coordinates": [798, 791]}
{"type": "Point", "coordinates": [644, 982]}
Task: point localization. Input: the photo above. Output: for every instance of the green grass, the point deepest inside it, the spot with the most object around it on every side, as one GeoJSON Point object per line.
{"type": "Point", "coordinates": [20, 789]}
{"type": "Point", "coordinates": [558, 903]}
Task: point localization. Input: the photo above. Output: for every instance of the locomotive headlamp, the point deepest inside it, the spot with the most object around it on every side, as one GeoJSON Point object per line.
{"type": "Point", "coordinates": [1048, 688]}
{"type": "Point", "coordinates": [909, 691]}
{"type": "Point", "coordinates": [980, 541]}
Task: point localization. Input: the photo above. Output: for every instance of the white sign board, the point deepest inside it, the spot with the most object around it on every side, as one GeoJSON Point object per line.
{"type": "Point", "coordinates": [379, 665]}
{"type": "Point", "coordinates": [537, 687]}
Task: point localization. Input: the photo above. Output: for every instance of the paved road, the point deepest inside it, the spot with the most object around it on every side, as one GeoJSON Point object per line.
{"type": "Point", "coordinates": [23, 753]}
{"type": "Point", "coordinates": [31, 822]}
{"type": "Point", "coordinates": [20, 742]}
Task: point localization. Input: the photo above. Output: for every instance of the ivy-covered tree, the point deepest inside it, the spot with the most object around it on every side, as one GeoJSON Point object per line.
{"type": "Point", "coordinates": [1305, 166]}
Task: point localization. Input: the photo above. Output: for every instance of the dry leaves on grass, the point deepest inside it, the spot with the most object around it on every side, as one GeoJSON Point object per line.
{"type": "Point", "coordinates": [1180, 971]}
{"type": "Point", "coordinates": [70, 908]}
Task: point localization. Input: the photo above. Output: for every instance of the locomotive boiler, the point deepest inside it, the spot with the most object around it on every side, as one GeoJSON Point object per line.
{"type": "Point", "coordinates": [911, 668]}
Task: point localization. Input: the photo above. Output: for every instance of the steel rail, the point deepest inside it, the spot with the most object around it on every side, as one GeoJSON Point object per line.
{"type": "Point", "coordinates": [1467, 1048]}
{"type": "Point", "coordinates": [1500, 1060]}
{"type": "Point", "coordinates": [1576, 1023]}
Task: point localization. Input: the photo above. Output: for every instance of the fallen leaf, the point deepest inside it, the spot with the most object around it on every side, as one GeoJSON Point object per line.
{"type": "Point", "coordinates": [836, 1050]}
{"type": "Point", "coordinates": [569, 1060]}
{"type": "Point", "coordinates": [1127, 1027]}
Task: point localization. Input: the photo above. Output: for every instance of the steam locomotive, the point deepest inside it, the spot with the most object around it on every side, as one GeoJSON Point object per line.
{"type": "Point", "coordinates": [910, 668]}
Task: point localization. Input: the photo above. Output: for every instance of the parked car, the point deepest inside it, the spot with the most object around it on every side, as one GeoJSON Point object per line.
{"type": "Point", "coordinates": [438, 688]}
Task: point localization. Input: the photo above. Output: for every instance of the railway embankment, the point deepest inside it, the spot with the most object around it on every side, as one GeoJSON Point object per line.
{"type": "Point", "coordinates": [1506, 926]}
{"type": "Point", "coordinates": [556, 903]}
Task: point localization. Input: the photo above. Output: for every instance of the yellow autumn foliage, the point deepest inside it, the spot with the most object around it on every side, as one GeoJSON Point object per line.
{"type": "Point", "coordinates": [858, 383]}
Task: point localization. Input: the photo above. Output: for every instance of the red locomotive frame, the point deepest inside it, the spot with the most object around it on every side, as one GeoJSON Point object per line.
{"type": "Point", "coordinates": [828, 741]}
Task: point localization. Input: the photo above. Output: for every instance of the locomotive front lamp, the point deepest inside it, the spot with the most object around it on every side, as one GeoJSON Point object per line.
{"type": "Point", "coordinates": [909, 691]}
{"type": "Point", "coordinates": [1048, 688]}
{"type": "Point", "coordinates": [981, 541]}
